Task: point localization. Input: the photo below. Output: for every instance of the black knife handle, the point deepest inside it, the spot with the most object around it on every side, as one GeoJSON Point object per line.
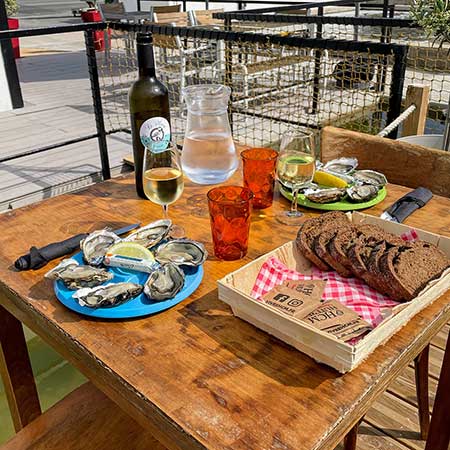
{"type": "Point", "coordinates": [39, 257]}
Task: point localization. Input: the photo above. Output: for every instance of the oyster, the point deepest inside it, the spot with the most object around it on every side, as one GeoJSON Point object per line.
{"type": "Point", "coordinates": [95, 245]}
{"type": "Point", "coordinates": [369, 177]}
{"type": "Point", "coordinates": [182, 252]}
{"type": "Point", "coordinates": [76, 276]}
{"type": "Point", "coordinates": [341, 165]}
{"type": "Point", "coordinates": [151, 234]}
{"type": "Point", "coordinates": [164, 283]}
{"type": "Point", "coordinates": [362, 192]}
{"type": "Point", "coordinates": [112, 294]}
{"type": "Point", "coordinates": [324, 195]}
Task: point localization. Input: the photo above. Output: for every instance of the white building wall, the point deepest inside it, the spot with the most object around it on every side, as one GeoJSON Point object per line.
{"type": "Point", "coordinates": [5, 97]}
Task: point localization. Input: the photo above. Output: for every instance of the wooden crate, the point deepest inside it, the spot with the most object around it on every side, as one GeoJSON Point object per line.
{"type": "Point", "coordinates": [235, 288]}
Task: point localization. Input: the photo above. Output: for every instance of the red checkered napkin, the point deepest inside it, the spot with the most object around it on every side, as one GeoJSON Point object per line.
{"type": "Point", "coordinates": [351, 292]}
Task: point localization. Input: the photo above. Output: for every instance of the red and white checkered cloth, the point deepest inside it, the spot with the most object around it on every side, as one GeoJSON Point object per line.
{"type": "Point", "coordinates": [351, 292]}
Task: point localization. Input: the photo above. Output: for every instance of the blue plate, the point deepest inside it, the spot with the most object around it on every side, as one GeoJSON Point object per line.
{"type": "Point", "coordinates": [136, 307]}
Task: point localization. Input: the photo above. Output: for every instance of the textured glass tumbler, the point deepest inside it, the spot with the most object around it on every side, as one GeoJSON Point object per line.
{"type": "Point", "coordinates": [230, 209]}
{"type": "Point", "coordinates": [259, 166]}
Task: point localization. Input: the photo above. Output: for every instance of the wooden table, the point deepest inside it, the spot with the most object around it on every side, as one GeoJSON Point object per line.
{"type": "Point", "coordinates": [196, 376]}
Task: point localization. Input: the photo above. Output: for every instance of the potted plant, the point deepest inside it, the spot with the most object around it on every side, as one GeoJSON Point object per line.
{"type": "Point", "coordinates": [13, 24]}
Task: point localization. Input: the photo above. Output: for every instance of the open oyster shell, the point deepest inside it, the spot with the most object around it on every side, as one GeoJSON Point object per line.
{"type": "Point", "coordinates": [151, 234]}
{"type": "Point", "coordinates": [95, 245]}
{"type": "Point", "coordinates": [324, 195]}
{"type": "Point", "coordinates": [341, 165]}
{"type": "Point", "coordinates": [76, 276]}
{"type": "Point", "coordinates": [370, 177]}
{"type": "Point", "coordinates": [164, 283]}
{"type": "Point", "coordinates": [362, 193]}
{"type": "Point", "coordinates": [182, 252]}
{"type": "Point", "coordinates": [107, 296]}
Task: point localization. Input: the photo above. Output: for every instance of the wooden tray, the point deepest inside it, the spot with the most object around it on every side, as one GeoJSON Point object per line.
{"type": "Point", "coordinates": [235, 288]}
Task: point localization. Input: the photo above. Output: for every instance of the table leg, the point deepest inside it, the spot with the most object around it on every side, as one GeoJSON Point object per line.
{"type": "Point", "coordinates": [351, 437]}
{"type": "Point", "coordinates": [421, 372]}
{"type": "Point", "coordinates": [15, 370]}
{"type": "Point", "coordinates": [439, 434]}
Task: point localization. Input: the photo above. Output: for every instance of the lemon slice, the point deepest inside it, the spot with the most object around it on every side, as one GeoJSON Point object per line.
{"type": "Point", "coordinates": [131, 250]}
{"type": "Point", "coordinates": [327, 179]}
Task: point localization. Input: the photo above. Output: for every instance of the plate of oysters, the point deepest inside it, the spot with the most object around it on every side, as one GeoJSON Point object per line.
{"type": "Point", "coordinates": [339, 186]}
{"type": "Point", "coordinates": [160, 273]}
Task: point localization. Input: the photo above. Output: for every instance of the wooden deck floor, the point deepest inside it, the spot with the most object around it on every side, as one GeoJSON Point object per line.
{"type": "Point", "coordinates": [58, 107]}
{"type": "Point", "coordinates": [392, 423]}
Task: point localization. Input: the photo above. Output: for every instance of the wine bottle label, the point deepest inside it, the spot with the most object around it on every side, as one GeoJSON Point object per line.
{"type": "Point", "coordinates": [155, 134]}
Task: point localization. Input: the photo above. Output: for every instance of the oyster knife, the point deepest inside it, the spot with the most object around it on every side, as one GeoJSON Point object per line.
{"type": "Point", "coordinates": [39, 257]}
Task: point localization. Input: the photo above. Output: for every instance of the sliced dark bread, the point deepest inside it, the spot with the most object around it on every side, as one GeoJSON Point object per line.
{"type": "Point", "coordinates": [322, 245]}
{"type": "Point", "coordinates": [407, 269]}
{"type": "Point", "coordinates": [343, 241]}
{"type": "Point", "coordinates": [312, 228]}
{"type": "Point", "coordinates": [373, 275]}
{"type": "Point", "coordinates": [359, 253]}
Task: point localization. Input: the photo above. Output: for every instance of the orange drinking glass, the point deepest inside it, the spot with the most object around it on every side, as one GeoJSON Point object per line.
{"type": "Point", "coordinates": [259, 174]}
{"type": "Point", "coordinates": [230, 208]}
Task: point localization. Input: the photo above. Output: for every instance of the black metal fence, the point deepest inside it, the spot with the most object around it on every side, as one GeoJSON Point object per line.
{"type": "Point", "coordinates": [274, 78]}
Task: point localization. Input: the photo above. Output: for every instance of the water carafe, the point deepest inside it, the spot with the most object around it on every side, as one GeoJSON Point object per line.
{"type": "Point", "coordinates": [209, 155]}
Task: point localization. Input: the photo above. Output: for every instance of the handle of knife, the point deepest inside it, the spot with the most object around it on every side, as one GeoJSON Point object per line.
{"type": "Point", "coordinates": [49, 252]}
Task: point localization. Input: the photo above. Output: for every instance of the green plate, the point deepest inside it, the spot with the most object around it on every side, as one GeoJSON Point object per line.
{"type": "Point", "coordinates": [343, 205]}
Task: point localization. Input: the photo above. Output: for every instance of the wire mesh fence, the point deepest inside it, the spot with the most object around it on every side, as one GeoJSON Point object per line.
{"type": "Point", "coordinates": [426, 63]}
{"type": "Point", "coordinates": [278, 82]}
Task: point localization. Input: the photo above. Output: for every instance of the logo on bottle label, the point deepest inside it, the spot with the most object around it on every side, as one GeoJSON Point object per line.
{"type": "Point", "coordinates": [155, 134]}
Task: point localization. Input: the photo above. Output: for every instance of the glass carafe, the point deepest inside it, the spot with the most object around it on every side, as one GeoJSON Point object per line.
{"type": "Point", "coordinates": [209, 155]}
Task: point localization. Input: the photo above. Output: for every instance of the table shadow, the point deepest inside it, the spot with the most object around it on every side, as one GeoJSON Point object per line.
{"type": "Point", "coordinates": [265, 353]}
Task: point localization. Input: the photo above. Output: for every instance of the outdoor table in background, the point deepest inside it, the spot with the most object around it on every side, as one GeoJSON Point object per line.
{"type": "Point", "coordinates": [195, 375]}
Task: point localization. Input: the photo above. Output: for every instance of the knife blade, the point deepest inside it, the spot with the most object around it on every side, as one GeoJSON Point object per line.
{"type": "Point", "coordinates": [39, 257]}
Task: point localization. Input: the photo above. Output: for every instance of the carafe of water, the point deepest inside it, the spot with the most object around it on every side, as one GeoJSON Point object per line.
{"type": "Point", "coordinates": [209, 155]}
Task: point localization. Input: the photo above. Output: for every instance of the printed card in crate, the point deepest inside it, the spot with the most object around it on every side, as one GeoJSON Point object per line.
{"type": "Point", "coordinates": [245, 290]}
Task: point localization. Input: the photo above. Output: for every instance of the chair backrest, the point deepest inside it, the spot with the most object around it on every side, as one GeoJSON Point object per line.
{"type": "Point", "coordinates": [205, 17]}
{"type": "Point", "coordinates": [111, 10]}
{"type": "Point", "coordinates": [179, 19]}
{"type": "Point", "coordinates": [402, 163]}
{"type": "Point", "coordinates": [166, 9]}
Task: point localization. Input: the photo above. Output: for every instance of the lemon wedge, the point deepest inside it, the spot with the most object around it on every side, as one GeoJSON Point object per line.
{"type": "Point", "coordinates": [327, 179]}
{"type": "Point", "coordinates": [131, 250]}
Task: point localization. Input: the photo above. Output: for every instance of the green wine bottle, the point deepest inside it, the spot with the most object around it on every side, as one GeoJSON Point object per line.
{"type": "Point", "coordinates": [149, 108]}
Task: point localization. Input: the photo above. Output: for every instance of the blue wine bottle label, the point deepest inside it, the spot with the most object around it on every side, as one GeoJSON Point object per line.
{"type": "Point", "coordinates": [155, 134]}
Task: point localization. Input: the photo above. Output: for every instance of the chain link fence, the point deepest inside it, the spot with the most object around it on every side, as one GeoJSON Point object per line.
{"type": "Point", "coordinates": [278, 82]}
{"type": "Point", "coordinates": [426, 63]}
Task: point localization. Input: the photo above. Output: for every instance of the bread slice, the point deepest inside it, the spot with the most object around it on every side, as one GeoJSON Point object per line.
{"type": "Point", "coordinates": [344, 240]}
{"type": "Point", "coordinates": [407, 269]}
{"type": "Point", "coordinates": [322, 245]}
{"type": "Point", "coordinates": [373, 275]}
{"type": "Point", "coordinates": [359, 253]}
{"type": "Point", "coordinates": [312, 228]}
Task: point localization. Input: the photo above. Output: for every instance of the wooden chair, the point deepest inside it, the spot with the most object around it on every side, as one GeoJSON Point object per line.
{"type": "Point", "coordinates": [84, 420]}
{"type": "Point", "coordinates": [111, 11]}
{"type": "Point", "coordinates": [388, 156]}
{"type": "Point", "coordinates": [420, 166]}
{"type": "Point", "coordinates": [205, 18]}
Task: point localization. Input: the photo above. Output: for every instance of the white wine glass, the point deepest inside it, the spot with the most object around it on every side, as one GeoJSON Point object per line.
{"type": "Point", "coordinates": [163, 180]}
{"type": "Point", "coordinates": [295, 169]}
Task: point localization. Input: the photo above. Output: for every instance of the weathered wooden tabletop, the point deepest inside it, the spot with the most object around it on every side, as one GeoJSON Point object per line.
{"type": "Point", "coordinates": [195, 375]}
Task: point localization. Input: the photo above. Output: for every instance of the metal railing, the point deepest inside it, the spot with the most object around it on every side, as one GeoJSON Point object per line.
{"type": "Point", "coordinates": [89, 29]}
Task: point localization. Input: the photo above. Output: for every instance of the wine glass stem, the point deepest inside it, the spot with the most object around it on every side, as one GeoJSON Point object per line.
{"type": "Point", "coordinates": [294, 199]}
{"type": "Point", "coordinates": [165, 211]}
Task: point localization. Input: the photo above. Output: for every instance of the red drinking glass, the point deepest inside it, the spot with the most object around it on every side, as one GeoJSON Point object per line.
{"type": "Point", "coordinates": [230, 208]}
{"type": "Point", "coordinates": [259, 174]}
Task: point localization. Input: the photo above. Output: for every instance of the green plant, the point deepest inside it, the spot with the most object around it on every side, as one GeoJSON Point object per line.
{"type": "Point", "coordinates": [11, 7]}
{"type": "Point", "coordinates": [434, 17]}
